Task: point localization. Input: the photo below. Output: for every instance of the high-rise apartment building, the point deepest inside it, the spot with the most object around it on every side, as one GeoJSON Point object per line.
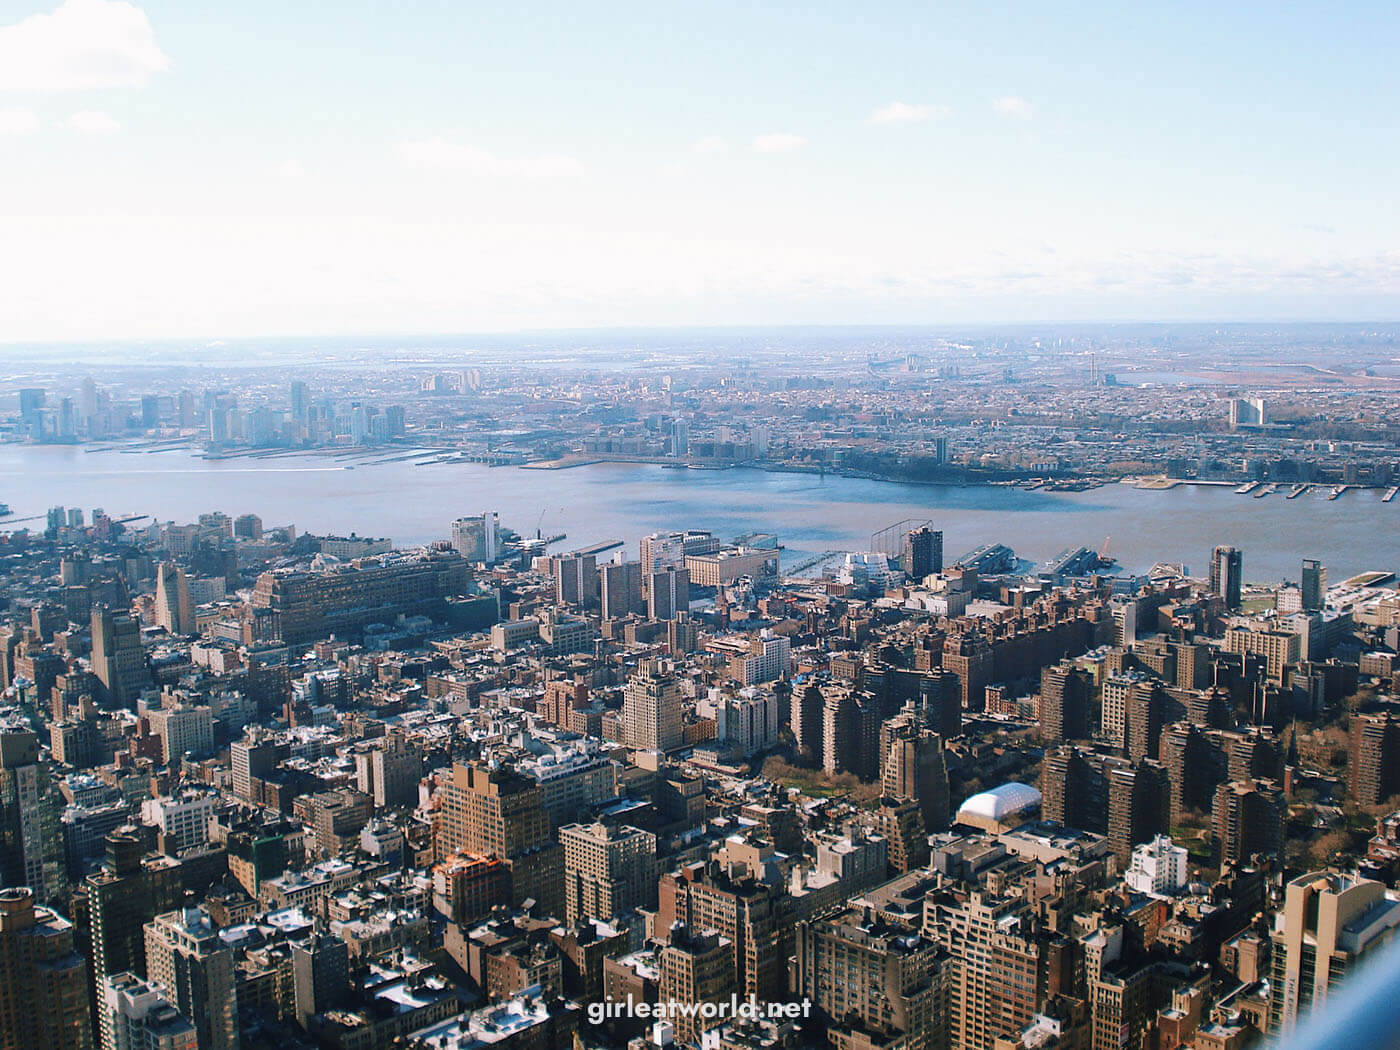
{"type": "Point", "coordinates": [913, 768]}
{"type": "Point", "coordinates": [253, 760]}
{"type": "Point", "coordinates": [195, 969]}
{"type": "Point", "coordinates": [1128, 802]}
{"type": "Point", "coordinates": [31, 843]}
{"type": "Point", "coordinates": [1373, 758]}
{"type": "Point", "coordinates": [1329, 922]}
{"type": "Point", "coordinates": [1064, 703]}
{"type": "Point", "coordinates": [875, 984]}
{"type": "Point", "coordinates": [997, 977]}
{"type": "Point", "coordinates": [922, 553]}
{"type": "Point", "coordinates": [1314, 585]}
{"type": "Point", "coordinates": [620, 589]}
{"type": "Point", "coordinates": [135, 1015]}
{"type": "Point", "coordinates": [668, 593]}
{"type": "Point", "coordinates": [806, 721]}
{"type": "Point", "coordinates": [1248, 817]}
{"type": "Point", "coordinates": [1139, 805]}
{"type": "Point", "coordinates": [478, 538]}
{"type": "Point", "coordinates": [576, 580]}
{"type": "Point", "coordinates": [769, 656]}
{"type": "Point", "coordinates": [651, 708]}
{"type": "Point", "coordinates": [43, 980]}
{"type": "Point", "coordinates": [1227, 574]}
{"type": "Point", "coordinates": [118, 659]}
{"type": "Point", "coordinates": [940, 703]}
{"type": "Point", "coordinates": [1279, 648]}
{"type": "Point", "coordinates": [186, 729]}
{"type": "Point", "coordinates": [608, 870]}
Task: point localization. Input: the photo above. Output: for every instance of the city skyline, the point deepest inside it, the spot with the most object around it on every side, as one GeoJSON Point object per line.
{"type": "Point", "coordinates": [185, 171]}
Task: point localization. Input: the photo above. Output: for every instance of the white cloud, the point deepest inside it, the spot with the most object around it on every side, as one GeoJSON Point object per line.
{"type": "Point", "coordinates": [80, 46]}
{"type": "Point", "coordinates": [906, 113]}
{"type": "Point", "coordinates": [1013, 106]}
{"type": "Point", "coordinates": [18, 121]}
{"type": "Point", "coordinates": [94, 122]}
{"type": "Point", "coordinates": [710, 144]}
{"type": "Point", "coordinates": [778, 142]}
{"type": "Point", "coordinates": [438, 153]}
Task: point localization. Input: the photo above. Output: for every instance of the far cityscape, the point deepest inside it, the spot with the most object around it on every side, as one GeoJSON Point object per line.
{"type": "Point", "coordinates": [577, 690]}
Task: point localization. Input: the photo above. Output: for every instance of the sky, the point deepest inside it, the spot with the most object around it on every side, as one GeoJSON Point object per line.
{"type": "Point", "coordinates": [184, 169]}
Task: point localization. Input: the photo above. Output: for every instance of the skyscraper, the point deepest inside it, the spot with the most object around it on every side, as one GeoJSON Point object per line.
{"type": "Point", "coordinates": [174, 610]}
{"type": "Point", "coordinates": [1227, 574]}
{"type": "Point", "coordinates": [118, 659]}
{"type": "Point", "coordinates": [195, 969]}
{"type": "Point", "coordinates": [298, 401]}
{"type": "Point", "coordinates": [496, 812]}
{"type": "Point", "coordinates": [31, 843]}
{"type": "Point", "coordinates": [120, 900]}
{"type": "Point", "coordinates": [44, 987]}
{"type": "Point", "coordinates": [1314, 585]}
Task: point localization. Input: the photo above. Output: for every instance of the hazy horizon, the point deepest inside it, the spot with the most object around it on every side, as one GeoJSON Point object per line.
{"type": "Point", "coordinates": [193, 170]}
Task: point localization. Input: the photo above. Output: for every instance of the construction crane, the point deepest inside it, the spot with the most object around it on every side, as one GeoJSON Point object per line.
{"type": "Point", "coordinates": [1105, 558]}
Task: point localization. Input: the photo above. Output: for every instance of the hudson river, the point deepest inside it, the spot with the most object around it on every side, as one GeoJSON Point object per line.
{"type": "Point", "coordinates": [809, 514]}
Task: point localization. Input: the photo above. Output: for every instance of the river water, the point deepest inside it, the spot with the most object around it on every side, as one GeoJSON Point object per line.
{"type": "Point", "coordinates": [809, 514]}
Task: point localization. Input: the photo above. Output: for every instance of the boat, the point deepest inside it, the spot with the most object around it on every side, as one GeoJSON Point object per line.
{"type": "Point", "coordinates": [1247, 488]}
{"type": "Point", "coordinates": [1390, 493]}
{"type": "Point", "coordinates": [1267, 490]}
{"type": "Point", "coordinates": [1337, 490]}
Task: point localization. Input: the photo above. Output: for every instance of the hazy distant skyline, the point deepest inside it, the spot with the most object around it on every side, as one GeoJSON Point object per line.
{"type": "Point", "coordinates": [191, 169]}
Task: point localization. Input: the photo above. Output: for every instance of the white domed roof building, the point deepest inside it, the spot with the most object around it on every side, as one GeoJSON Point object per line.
{"type": "Point", "coordinates": [1000, 809]}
